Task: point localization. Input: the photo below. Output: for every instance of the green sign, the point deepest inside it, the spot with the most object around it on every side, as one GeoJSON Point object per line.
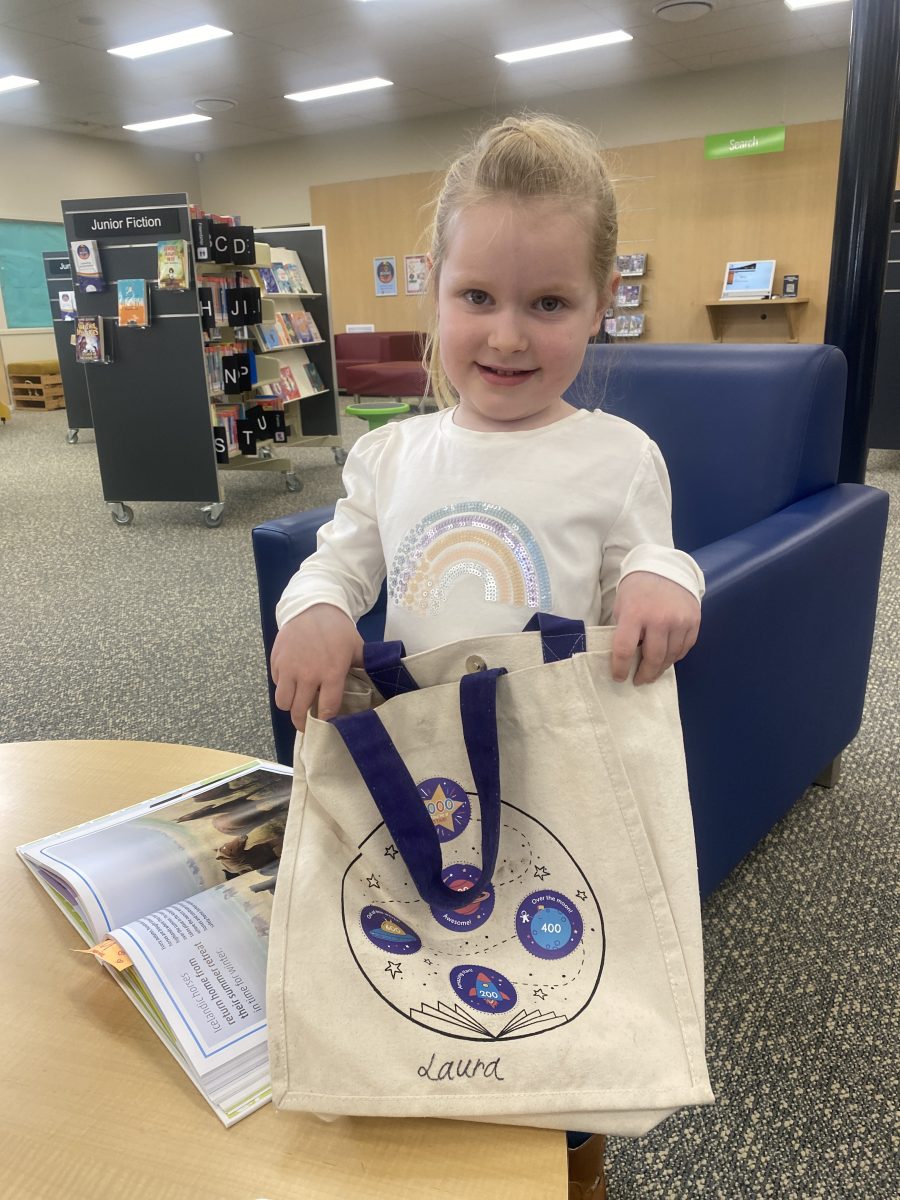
{"type": "Point", "coordinates": [746, 141]}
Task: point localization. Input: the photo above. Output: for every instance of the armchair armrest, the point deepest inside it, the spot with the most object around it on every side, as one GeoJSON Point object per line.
{"type": "Point", "coordinates": [774, 688]}
{"type": "Point", "coordinates": [279, 547]}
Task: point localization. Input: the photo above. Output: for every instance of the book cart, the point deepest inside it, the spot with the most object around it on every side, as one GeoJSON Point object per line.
{"type": "Point", "coordinates": [58, 274]}
{"type": "Point", "coordinates": [156, 418]}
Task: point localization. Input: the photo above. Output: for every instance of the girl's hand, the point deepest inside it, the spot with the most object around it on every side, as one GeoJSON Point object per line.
{"type": "Point", "coordinates": [312, 655]}
{"type": "Point", "coordinates": [660, 616]}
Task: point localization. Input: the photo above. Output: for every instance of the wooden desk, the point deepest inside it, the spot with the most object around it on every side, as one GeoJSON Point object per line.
{"type": "Point", "coordinates": [94, 1108]}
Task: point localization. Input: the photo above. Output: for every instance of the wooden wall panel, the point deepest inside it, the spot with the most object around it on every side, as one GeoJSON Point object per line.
{"type": "Point", "coordinates": [366, 219]}
{"type": "Point", "coordinates": [690, 215]}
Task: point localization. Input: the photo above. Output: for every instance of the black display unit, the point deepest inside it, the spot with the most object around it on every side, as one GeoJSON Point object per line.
{"type": "Point", "coordinates": [58, 274]}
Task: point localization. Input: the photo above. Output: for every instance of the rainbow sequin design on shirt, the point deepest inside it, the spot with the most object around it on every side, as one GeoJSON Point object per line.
{"type": "Point", "coordinates": [469, 538]}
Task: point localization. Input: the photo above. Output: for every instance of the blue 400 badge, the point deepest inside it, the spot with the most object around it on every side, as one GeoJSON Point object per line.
{"type": "Point", "coordinates": [549, 925]}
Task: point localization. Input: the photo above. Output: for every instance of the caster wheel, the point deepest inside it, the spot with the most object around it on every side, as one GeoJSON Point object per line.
{"type": "Point", "coordinates": [125, 517]}
{"type": "Point", "coordinates": [340, 455]}
{"type": "Point", "coordinates": [72, 437]}
{"type": "Point", "coordinates": [293, 483]}
{"type": "Point", "coordinates": [213, 522]}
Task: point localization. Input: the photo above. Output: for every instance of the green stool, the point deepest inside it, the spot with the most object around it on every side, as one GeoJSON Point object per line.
{"type": "Point", "coordinates": [377, 414]}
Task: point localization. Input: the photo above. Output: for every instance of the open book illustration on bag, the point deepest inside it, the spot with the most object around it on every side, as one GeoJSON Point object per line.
{"type": "Point", "coordinates": [175, 896]}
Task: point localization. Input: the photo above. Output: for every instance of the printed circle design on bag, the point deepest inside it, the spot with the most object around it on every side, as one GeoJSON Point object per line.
{"type": "Point", "coordinates": [460, 877]}
{"type": "Point", "coordinates": [447, 805]}
{"type": "Point", "coordinates": [484, 990]}
{"type": "Point", "coordinates": [388, 933]}
{"type": "Point", "coordinates": [549, 925]}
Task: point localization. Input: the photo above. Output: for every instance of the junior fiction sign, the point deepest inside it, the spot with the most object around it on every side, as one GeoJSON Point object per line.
{"type": "Point", "coordinates": [127, 223]}
{"type": "Point", "coordinates": [746, 141]}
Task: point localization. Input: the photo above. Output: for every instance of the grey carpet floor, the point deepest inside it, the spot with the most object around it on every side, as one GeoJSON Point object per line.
{"type": "Point", "coordinates": [151, 632]}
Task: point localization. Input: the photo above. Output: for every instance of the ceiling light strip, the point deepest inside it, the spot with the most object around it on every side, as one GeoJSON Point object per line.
{"type": "Point", "coordinates": [587, 43]}
{"type": "Point", "coordinates": [340, 89]}
{"type": "Point", "coordinates": [166, 122]}
{"type": "Point", "coordinates": [10, 83]}
{"type": "Point", "coordinates": [171, 41]}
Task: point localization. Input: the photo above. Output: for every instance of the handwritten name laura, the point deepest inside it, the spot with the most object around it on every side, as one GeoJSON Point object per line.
{"type": "Point", "coordinates": [460, 1068]}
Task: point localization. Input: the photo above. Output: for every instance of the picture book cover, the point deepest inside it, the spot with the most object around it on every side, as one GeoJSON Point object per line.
{"type": "Point", "coordinates": [269, 282]}
{"type": "Point", "coordinates": [312, 374]}
{"type": "Point", "coordinates": [173, 897]}
{"type": "Point", "coordinates": [304, 326]}
{"type": "Point", "coordinates": [285, 330]}
{"type": "Point", "coordinates": [134, 302]}
{"type": "Point", "coordinates": [89, 339]}
{"type": "Point", "coordinates": [282, 276]}
{"type": "Point", "coordinates": [267, 335]}
{"type": "Point", "coordinates": [629, 295]}
{"type": "Point", "coordinates": [173, 264]}
{"type": "Point", "coordinates": [67, 309]}
{"type": "Point", "coordinates": [289, 388]}
{"type": "Point", "coordinates": [85, 258]}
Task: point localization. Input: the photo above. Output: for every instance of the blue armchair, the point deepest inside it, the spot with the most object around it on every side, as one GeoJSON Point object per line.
{"type": "Point", "coordinates": [774, 689]}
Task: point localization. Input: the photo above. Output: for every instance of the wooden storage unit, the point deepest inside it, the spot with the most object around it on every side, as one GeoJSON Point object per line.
{"type": "Point", "coordinates": [36, 385]}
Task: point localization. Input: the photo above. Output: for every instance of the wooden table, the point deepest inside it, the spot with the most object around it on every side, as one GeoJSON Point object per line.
{"type": "Point", "coordinates": [94, 1108]}
{"type": "Point", "coordinates": [750, 312]}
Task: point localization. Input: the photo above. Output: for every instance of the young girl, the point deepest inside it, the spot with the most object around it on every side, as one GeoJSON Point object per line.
{"type": "Point", "coordinates": [509, 501]}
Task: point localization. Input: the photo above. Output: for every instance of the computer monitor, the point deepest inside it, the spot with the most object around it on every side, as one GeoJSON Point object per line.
{"type": "Point", "coordinates": [748, 280]}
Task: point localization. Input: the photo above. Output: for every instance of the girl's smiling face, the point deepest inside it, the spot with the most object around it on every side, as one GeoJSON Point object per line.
{"type": "Point", "coordinates": [517, 303]}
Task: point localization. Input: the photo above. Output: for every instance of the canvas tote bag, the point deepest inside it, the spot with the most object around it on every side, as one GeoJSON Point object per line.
{"type": "Point", "coordinates": [487, 902]}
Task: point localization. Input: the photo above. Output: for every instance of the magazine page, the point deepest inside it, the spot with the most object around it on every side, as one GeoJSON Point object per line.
{"type": "Point", "coordinates": [109, 872]}
{"type": "Point", "coordinates": [203, 962]}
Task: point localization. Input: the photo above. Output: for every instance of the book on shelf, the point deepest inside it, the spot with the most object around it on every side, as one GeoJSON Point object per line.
{"type": "Point", "coordinates": [629, 295]}
{"type": "Point", "coordinates": [303, 325]}
{"type": "Point", "coordinates": [228, 415]}
{"type": "Point", "coordinates": [68, 310]}
{"type": "Point", "coordinates": [267, 336]}
{"type": "Point", "coordinates": [134, 302]}
{"type": "Point", "coordinates": [89, 340]}
{"type": "Point", "coordinates": [173, 264]}
{"type": "Point", "coordinates": [631, 264]}
{"type": "Point", "coordinates": [85, 258]}
{"type": "Point", "coordinates": [631, 325]}
{"type": "Point", "coordinates": [268, 280]}
{"type": "Point", "coordinates": [290, 389]}
{"type": "Point", "coordinates": [286, 333]}
{"type": "Point", "coordinates": [299, 279]}
{"type": "Point", "coordinates": [174, 896]}
{"type": "Point", "coordinates": [315, 379]}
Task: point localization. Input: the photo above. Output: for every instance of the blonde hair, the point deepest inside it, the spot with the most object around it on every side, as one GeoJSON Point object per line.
{"type": "Point", "coordinates": [528, 157]}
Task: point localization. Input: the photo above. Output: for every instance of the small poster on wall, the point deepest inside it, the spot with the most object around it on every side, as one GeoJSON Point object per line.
{"type": "Point", "coordinates": [386, 276]}
{"type": "Point", "coordinates": [416, 271]}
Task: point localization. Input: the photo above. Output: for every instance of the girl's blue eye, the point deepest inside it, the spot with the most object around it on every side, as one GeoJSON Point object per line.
{"type": "Point", "coordinates": [476, 296]}
{"type": "Point", "coordinates": [550, 304]}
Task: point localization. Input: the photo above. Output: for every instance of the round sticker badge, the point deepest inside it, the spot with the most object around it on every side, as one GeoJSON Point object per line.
{"type": "Point", "coordinates": [475, 909]}
{"type": "Point", "coordinates": [549, 925]}
{"type": "Point", "coordinates": [481, 988]}
{"type": "Point", "coordinates": [387, 932]}
{"type": "Point", "coordinates": [447, 805]}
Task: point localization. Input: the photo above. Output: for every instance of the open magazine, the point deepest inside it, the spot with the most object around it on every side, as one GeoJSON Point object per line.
{"type": "Point", "coordinates": [175, 895]}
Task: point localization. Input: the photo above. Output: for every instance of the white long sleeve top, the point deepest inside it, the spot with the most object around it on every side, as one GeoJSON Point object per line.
{"type": "Point", "coordinates": [477, 531]}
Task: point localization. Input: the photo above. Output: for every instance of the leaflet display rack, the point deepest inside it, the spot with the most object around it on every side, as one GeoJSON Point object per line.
{"type": "Point", "coordinates": [150, 398]}
{"type": "Point", "coordinates": [58, 274]}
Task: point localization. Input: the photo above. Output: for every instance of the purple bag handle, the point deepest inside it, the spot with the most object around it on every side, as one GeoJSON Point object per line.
{"type": "Point", "coordinates": [397, 797]}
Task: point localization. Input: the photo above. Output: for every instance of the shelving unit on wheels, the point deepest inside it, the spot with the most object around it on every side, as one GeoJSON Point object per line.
{"type": "Point", "coordinates": [58, 274]}
{"type": "Point", "coordinates": [314, 420]}
{"type": "Point", "coordinates": [150, 400]}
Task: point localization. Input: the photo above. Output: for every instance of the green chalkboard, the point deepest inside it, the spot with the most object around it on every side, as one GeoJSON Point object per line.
{"type": "Point", "coordinates": [22, 279]}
